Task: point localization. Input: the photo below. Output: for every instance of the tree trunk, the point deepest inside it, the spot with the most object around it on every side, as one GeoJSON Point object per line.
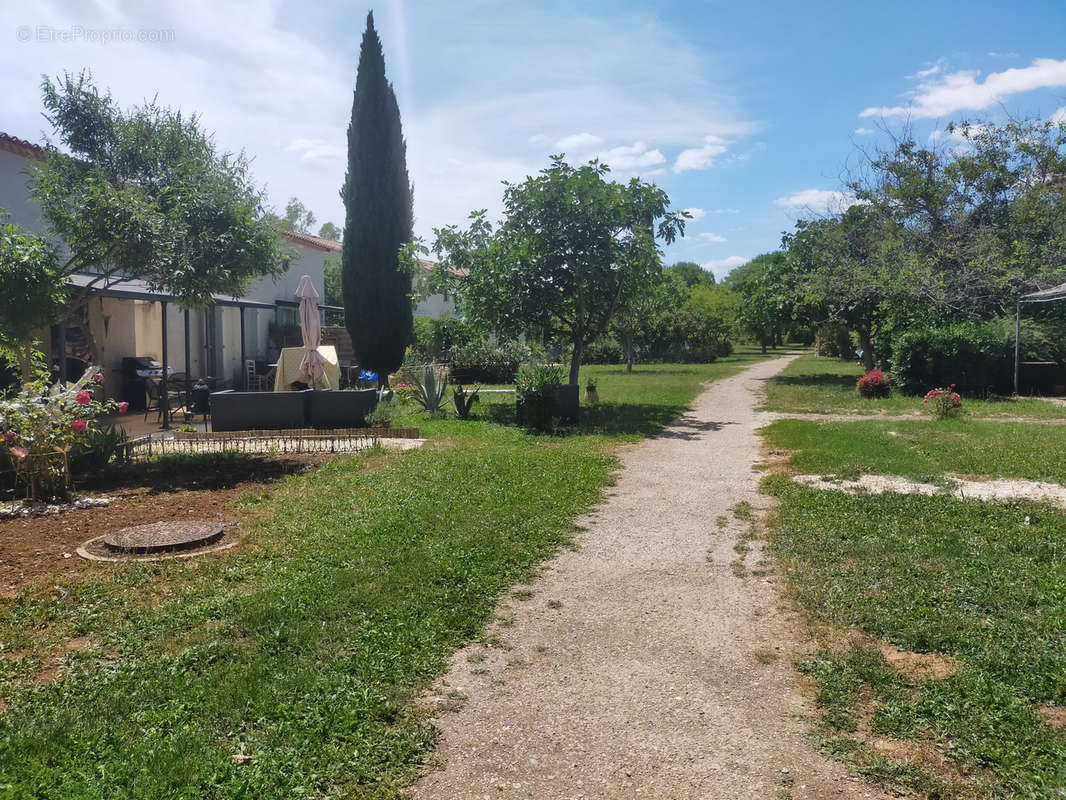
{"type": "Point", "coordinates": [867, 349]}
{"type": "Point", "coordinates": [575, 360]}
{"type": "Point", "coordinates": [629, 351]}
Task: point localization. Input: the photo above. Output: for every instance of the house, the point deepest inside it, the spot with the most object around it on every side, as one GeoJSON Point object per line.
{"type": "Point", "coordinates": [127, 318]}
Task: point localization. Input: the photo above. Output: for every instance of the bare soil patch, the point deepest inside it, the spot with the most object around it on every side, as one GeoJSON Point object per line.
{"type": "Point", "coordinates": [35, 549]}
{"type": "Point", "coordinates": [1055, 716]}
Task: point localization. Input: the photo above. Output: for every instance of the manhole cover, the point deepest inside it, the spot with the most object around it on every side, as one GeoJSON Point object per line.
{"type": "Point", "coordinates": [161, 537]}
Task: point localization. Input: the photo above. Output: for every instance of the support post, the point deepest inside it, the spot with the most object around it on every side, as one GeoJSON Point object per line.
{"type": "Point", "coordinates": [188, 360]}
{"type": "Point", "coordinates": [164, 395]}
{"type": "Point", "coordinates": [59, 351]}
{"type": "Point", "coordinates": [1017, 342]}
{"type": "Point", "coordinates": [244, 368]}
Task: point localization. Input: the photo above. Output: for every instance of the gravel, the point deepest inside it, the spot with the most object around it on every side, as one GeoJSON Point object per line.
{"type": "Point", "coordinates": [646, 663]}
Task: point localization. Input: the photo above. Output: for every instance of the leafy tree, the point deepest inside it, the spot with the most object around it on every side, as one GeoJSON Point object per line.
{"type": "Point", "coordinates": [980, 220]}
{"type": "Point", "coordinates": [143, 194]}
{"type": "Point", "coordinates": [330, 231]}
{"type": "Point", "coordinates": [573, 248]}
{"type": "Point", "coordinates": [707, 318]}
{"type": "Point", "coordinates": [648, 322]}
{"type": "Point", "coordinates": [331, 275]}
{"type": "Point", "coordinates": [768, 290]}
{"type": "Point", "coordinates": [32, 292]}
{"type": "Point", "coordinates": [378, 200]}
{"type": "Point", "coordinates": [691, 273]}
{"type": "Point", "coordinates": [298, 218]}
{"type": "Point", "coordinates": [849, 268]}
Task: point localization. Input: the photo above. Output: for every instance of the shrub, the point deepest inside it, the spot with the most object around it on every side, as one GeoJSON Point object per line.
{"type": "Point", "coordinates": [429, 391]}
{"type": "Point", "coordinates": [605, 350]}
{"type": "Point", "coordinates": [874, 384]}
{"type": "Point", "coordinates": [944, 403]}
{"type": "Point", "coordinates": [973, 356]}
{"type": "Point", "coordinates": [481, 362]}
{"type": "Point", "coordinates": [535, 391]}
{"type": "Point", "coordinates": [834, 341]}
{"type": "Point", "coordinates": [463, 401]}
{"type": "Point", "coordinates": [43, 425]}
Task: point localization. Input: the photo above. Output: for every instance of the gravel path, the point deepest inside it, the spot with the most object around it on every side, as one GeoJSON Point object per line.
{"type": "Point", "coordinates": [645, 664]}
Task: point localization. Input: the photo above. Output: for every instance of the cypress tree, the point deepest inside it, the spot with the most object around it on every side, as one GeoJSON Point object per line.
{"type": "Point", "coordinates": [378, 200]}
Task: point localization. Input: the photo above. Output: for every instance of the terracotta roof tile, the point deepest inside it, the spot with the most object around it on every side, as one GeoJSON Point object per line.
{"type": "Point", "coordinates": [315, 242]}
{"type": "Point", "coordinates": [12, 144]}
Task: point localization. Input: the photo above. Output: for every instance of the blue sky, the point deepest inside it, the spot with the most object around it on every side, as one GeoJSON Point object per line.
{"type": "Point", "coordinates": [746, 112]}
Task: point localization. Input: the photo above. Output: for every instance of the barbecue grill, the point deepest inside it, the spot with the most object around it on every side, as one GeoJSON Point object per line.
{"type": "Point", "coordinates": [135, 371]}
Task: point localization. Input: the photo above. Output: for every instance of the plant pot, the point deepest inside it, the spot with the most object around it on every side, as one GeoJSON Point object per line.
{"type": "Point", "coordinates": [568, 403]}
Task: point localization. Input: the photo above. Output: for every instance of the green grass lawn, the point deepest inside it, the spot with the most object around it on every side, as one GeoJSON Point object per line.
{"type": "Point", "coordinates": [287, 667]}
{"type": "Point", "coordinates": [816, 385]}
{"type": "Point", "coordinates": [924, 449]}
{"type": "Point", "coordinates": [983, 583]}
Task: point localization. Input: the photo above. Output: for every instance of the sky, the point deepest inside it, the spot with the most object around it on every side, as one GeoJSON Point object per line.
{"type": "Point", "coordinates": [749, 114]}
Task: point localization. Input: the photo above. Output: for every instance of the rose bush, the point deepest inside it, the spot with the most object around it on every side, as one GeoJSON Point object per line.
{"type": "Point", "coordinates": [42, 424]}
{"type": "Point", "coordinates": [874, 384]}
{"type": "Point", "coordinates": [944, 402]}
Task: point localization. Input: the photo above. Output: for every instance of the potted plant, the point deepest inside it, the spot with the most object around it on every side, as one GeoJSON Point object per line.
{"type": "Point", "coordinates": [591, 395]}
{"type": "Point", "coordinates": [536, 393]}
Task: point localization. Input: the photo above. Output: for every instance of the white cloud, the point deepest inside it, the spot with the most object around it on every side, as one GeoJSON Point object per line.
{"type": "Point", "coordinates": [817, 200]}
{"type": "Point", "coordinates": [724, 211]}
{"type": "Point", "coordinates": [316, 150]}
{"type": "Point", "coordinates": [962, 133]}
{"type": "Point", "coordinates": [712, 237]}
{"type": "Point", "coordinates": [864, 131]}
{"type": "Point", "coordinates": [283, 92]}
{"type": "Point", "coordinates": [928, 73]}
{"type": "Point", "coordinates": [1059, 117]}
{"type": "Point", "coordinates": [723, 266]}
{"type": "Point", "coordinates": [579, 141]}
{"type": "Point", "coordinates": [628, 158]}
{"type": "Point", "coordinates": [696, 213]}
{"type": "Point", "coordinates": [700, 157]}
{"type": "Point", "coordinates": [960, 91]}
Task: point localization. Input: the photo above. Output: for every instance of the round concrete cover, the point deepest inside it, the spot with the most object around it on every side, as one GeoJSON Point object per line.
{"type": "Point", "coordinates": [159, 537]}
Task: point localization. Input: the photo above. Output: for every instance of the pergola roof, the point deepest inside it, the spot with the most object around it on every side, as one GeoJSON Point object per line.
{"type": "Point", "coordinates": [136, 289]}
{"type": "Point", "coordinates": [1046, 295]}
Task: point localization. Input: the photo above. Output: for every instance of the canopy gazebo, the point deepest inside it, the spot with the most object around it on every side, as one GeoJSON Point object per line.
{"type": "Point", "coordinates": [1043, 296]}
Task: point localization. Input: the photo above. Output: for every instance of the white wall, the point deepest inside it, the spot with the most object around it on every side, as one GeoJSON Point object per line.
{"type": "Point", "coordinates": [15, 193]}
{"type": "Point", "coordinates": [436, 307]}
{"type": "Point", "coordinates": [306, 261]}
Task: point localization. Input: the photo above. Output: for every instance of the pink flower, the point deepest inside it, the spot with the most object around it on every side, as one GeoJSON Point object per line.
{"type": "Point", "coordinates": [19, 452]}
{"type": "Point", "coordinates": [78, 425]}
{"type": "Point", "coordinates": [83, 398]}
{"type": "Point", "coordinates": [123, 408]}
{"type": "Point", "coordinates": [99, 377]}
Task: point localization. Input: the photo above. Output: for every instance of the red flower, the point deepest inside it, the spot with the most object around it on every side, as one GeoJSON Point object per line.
{"type": "Point", "coordinates": [83, 398]}
{"type": "Point", "coordinates": [78, 425]}
{"type": "Point", "coordinates": [11, 437]}
{"type": "Point", "coordinates": [123, 408]}
{"type": "Point", "coordinates": [99, 377]}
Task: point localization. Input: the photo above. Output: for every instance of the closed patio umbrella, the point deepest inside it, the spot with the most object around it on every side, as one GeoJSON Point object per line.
{"type": "Point", "coordinates": [312, 366]}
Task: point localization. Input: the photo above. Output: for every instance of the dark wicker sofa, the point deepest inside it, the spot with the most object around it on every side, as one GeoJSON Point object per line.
{"type": "Point", "coordinates": [270, 411]}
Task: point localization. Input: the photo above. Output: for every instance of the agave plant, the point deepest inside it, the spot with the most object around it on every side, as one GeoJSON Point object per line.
{"type": "Point", "coordinates": [464, 401]}
{"type": "Point", "coordinates": [430, 390]}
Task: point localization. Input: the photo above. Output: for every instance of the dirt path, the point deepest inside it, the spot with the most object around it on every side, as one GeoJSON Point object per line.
{"type": "Point", "coordinates": [644, 664]}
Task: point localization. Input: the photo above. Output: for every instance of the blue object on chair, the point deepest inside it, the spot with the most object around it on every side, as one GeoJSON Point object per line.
{"type": "Point", "coordinates": [367, 375]}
